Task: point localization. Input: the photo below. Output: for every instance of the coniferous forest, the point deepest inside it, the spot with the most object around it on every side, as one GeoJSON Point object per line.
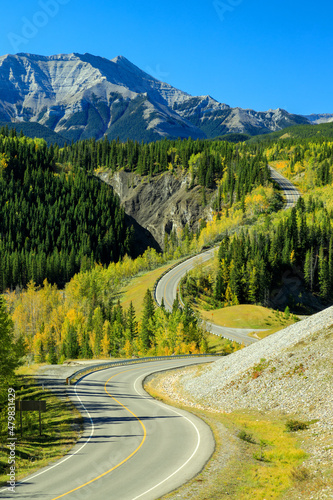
{"type": "Point", "coordinates": [53, 222]}
{"type": "Point", "coordinates": [57, 217]}
{"type": "Point", "coordinates": [62, 228]}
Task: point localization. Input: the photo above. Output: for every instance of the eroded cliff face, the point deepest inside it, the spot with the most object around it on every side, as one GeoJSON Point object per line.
{"type": "Point", "coordinates": [162, 203]}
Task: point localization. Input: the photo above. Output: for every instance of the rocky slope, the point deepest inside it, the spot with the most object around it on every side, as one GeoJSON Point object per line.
{"type": "Point", "coordinates": [160, 204]}
{"type": "Point", "coordinates": [81, 96]}
{"type": "Point", "coordinates": [289, 373]}
{"type": "Point", "coordinates": [281, 372]}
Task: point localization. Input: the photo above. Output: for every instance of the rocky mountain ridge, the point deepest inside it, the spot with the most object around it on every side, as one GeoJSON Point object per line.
{"type": "Point", "coordinates": [82, 96]}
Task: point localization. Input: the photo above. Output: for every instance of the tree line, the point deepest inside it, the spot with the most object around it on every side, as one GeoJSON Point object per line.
{"type": "Point", "coordinates": [251, 264]}
{"type": "Point", "coordinates": [53, 222]}
{"type": "Point", "coordinates": [237, 168]}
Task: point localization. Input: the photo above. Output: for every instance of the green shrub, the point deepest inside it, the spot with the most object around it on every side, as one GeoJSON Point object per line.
{"type": "Point", "coordinates": [296, 425]}
{"type": "Point", "coordinates": [244, 436]}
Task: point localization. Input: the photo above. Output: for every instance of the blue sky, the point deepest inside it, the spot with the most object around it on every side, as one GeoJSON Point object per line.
{"type": "Point", "coordinates": [248, 53]}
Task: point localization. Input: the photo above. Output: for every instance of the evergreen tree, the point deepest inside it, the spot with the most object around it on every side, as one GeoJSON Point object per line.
{"type": "Point", "coordinates": [323, 275]}
{"type": "Point", "coordinates": [131, 323]}
{"type": "Point", "coordinates": [52, 357]}
{"type": "Point", "coordinates": [11, 350]}
{"type": "Point", "coordinates": [147, 322]}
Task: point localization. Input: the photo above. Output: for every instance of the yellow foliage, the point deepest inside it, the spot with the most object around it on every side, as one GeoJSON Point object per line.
{"type": "Point", "coordinates": [105, 345]}
{"type": "Point", "coordinates": [259, 200]}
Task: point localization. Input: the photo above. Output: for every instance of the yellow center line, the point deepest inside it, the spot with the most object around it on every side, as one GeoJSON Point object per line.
{"type": "Point", "coordinates": [127, 458]}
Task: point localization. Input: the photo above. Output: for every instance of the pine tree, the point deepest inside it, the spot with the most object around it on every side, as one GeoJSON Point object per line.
{"type": "Point", "coordinates": [323, 275]}
{"type": "Point", "coordinates": [52, 357]}
{"type": "Point", "coordinates": [147, 327]}
{"type": "Point", "coordinates": [131, 323]}
{"type": "Point", "coordinates": [252, 286]}
{"type": "Point", "coordinates": [11, 351]}
{"type": "Point", "coordinates": [309, 268]}
{"type": "Point", "coordinates": [175, 304]}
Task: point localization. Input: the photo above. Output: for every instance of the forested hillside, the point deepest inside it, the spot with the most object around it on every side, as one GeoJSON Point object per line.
{"type": "Point", "coordinates": [53, 222]}
{"type": "Point", "coordinates": [57, 218]}
{"type": "Point", "coordinates": [284, 259]}
{"type": "Point", "coordinates": [234, 168]}
{"type": "Point", "coordinates": [297, 132]}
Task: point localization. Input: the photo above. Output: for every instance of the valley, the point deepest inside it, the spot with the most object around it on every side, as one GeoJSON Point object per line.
{"type": "Point", "coordinates": [89, 224]}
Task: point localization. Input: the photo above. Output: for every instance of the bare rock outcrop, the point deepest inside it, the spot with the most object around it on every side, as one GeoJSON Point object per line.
{"type": "Point", "coordinates": [162, 203]}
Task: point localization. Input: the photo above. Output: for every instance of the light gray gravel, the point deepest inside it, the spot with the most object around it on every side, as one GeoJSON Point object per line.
{"type": "Point", "coordinates": [235, 371]}
{"type": "Point", "coordinates": [289, 372]}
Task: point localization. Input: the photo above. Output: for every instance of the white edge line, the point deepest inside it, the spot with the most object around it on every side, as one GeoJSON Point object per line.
{"type": "Point", "coordinates": [181, 415]}
{"type": "Point", "coordinates": [69, 456]}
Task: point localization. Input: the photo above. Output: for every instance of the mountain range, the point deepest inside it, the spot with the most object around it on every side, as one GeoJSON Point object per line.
{"type": "Point", "coordinates": [81, 96]}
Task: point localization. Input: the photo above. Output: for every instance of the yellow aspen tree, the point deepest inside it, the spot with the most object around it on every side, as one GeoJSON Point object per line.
{"type": "Point", "coordinates": [105, 345]}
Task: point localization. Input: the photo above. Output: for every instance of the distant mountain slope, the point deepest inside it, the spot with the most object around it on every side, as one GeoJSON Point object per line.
{"type": "Point", "coordinates": [218, 119]}
{"type": "Point", "coordinates": [298, 132]}
{"type": "Point", "coordinates": [31, 129]}
{"type": "Point", "coordinates": [320, 118]}
{"type": "Point", "coordinates": [82, 96]}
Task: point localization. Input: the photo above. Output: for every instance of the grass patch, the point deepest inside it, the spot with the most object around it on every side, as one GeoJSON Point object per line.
{"type": "Point", "coordinates": [217, 344]}
{"type": "Point", "coordinates": [255, 458]}
{"type": "Point", "coordinates": [61, 426]}
{"type": "Point", "coordinates": [135, 290]}
{"type": "Point", "coordinates": [248, 316]}
{"type": "Point", "coordinates": [29, 370]}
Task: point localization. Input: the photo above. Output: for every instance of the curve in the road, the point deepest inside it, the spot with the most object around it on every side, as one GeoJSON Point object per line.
{"type": "Point", "coordinates": [131, 448]}
{"type": "Point", "coordinates": [125, 459]}
{"type": "Point", "coordinates": [168, 285]}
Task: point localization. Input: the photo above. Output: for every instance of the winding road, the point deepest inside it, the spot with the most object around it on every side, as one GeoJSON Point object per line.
{"type": "Point", "coordinates": [133, 446]}
{"type": "Point", "coordinates": [168, 285]}
{"type": "Point", "coordinates": [290, 191]}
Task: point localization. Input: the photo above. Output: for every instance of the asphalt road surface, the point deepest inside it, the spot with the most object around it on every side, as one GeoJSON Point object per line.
{"type": "Point", "coordinates": [133, 446]}
{"type": "Point", "coordinates": [168, 285]}
{"type": "Point", "coordinates": [290, 191]}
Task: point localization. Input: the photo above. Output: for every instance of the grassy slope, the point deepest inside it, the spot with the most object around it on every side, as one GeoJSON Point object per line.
{"type": "Point", "coordinates": [61, 425]}
{"type": "Point", "coordinates": [135, 290]}
{"type": "Point", "coordinates": [236, 471]}
{"type": "Point", "coordinates": [248, 316]}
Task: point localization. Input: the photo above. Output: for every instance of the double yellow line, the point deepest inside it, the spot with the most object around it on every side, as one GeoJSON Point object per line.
{"type": "Point", "coordinates": [127, 458]}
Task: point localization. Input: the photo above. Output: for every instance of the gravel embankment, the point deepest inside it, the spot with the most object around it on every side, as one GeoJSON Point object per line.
{"type": "Point", "coordinates": [290, 372]}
